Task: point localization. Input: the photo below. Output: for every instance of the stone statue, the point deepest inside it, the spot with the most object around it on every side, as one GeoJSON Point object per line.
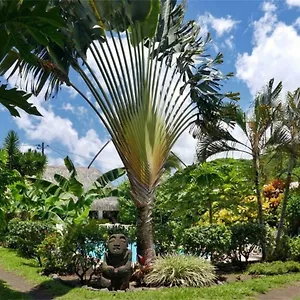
{"type": "Point", "coordinates": [116, 268]}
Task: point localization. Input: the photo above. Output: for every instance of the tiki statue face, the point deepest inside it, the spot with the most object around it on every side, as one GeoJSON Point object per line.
{"type": "Point", "coordinates": [117, 244]}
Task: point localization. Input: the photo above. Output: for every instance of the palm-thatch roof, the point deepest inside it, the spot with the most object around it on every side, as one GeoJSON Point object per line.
{"type": "Point", "coordinates": [86, 176]}
{"type": "Point", "coordinates": [105, 204]}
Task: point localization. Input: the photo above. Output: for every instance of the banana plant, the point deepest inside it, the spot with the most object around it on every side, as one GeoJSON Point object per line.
{"type": "Point", "coordinates": [149, 76]}
{"type": "Point", "coordinates": [65, 200]}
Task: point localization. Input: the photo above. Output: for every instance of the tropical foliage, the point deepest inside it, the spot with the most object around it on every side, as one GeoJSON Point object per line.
{"type": "Point", "coordinates": [256, 127]}
{"type": "Point", "coordinates": [151, 63]}
{"type": "Point", "coordinates": [29, 163]}
{"type": "Point", "coordinates": [285, 137]}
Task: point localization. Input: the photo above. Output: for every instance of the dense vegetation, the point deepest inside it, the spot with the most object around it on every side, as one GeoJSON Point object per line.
{"type": "Point", "coordinates": [220, 210]}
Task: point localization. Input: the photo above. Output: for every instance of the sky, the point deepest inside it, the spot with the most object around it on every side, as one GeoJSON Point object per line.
{"type": "Point", "coordinates": [260, 40]}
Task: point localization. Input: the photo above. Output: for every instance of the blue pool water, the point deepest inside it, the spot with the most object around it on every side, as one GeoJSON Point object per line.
{"type": "Point", "coordinates": [132, 247]}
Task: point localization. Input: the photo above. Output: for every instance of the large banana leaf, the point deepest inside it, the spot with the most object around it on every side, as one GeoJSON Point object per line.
{"type": "Point", "coordinates": [109, 177]}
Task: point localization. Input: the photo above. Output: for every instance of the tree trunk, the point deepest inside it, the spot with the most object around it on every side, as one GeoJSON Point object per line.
{"type": "Point", "coordinates": [145, 239]}
{"type": "Point", "coordinates": [259, 200]}
{"type": "Point", "coordinates": [285, 199]}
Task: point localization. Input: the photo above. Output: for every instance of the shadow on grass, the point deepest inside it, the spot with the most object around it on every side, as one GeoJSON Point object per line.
{"type": "Point", "coordinates": [47, 290]}
{"type": "Point", "coordinates": [7, 293]}
{"type": "Point", "coordinates": [30, 264]}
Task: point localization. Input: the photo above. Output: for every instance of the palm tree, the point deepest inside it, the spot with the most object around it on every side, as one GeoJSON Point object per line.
{"type": "Point", "coordinates": [216, 139]}
{"type": "Point", "coordinates": [142, 63]}
{"type": "Point", "coordinates": [286, 139]}
{"type": "Point", "coordinates": [32, 163]}
{"type": "Point", "coordinates": [27, 163]}
{"type": "Point", "coordinates": [11, 145]}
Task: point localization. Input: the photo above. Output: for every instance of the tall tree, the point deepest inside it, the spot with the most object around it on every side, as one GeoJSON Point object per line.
{"type": "Point", "coordinates": [32, 163]}
{"type": "Point", "coordinates": [143, 64]}
{"type": "Point", "coordinates": [286, 139]}
{"type": "Point", "coordinates": [11, 145]}
{"type": "Point", "coordinates": [29, 163]}
{"type": "Point", "coordinates": [255, 127]}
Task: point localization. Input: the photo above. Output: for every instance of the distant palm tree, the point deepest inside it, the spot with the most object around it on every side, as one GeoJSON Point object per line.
{"type": "Point", "coordinates": [286, 139]}
{"type": "Point", "coordinates": [11, 145]}
{"type": "Point", "coordinates": [29, 163]}
{"type": "Point", "coordinates": [256, 127]}
{"type": "Point", "coordinates": [32, 163]}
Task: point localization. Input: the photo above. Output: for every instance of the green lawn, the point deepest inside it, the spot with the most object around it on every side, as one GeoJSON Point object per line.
{"type": "Point", "coordinates": [239, 290]}
{"type": "Point", "coordinates": [7, 293]}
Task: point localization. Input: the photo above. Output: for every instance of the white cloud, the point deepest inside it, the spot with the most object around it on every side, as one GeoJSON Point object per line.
{"type": "Point", "coordinates": [229, 42]}
{"type": "Point", "coordinates": [293, 3]}
{"type": "Point", "coordinates": [297, 23]}
{"type": "Point", "coordinates": [71, 92]}
{"type": "Point", "coordinates": [55, 161]}
{"type": "Point", "coordinates": [79, 111]}
{"type": "Point", "coordinates": [275, 54]}
{"type": "Point", "coordinates": [268, 6]}
{"type": "Point", "coordinates": [24, 147]}
{"type": "Point", "coordinates": [52, 128]}
{"type": "Point", "coordinates": [220, 25]}
{"type": "Point", "coordinates": [68, 107]}
{"type": "Point", "coordinates": [185, 148]}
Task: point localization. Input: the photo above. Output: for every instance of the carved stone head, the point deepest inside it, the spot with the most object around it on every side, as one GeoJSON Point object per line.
{"type": "Point", "coordinates": [117, 244]}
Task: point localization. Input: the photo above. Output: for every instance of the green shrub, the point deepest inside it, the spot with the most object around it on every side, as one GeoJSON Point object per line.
{"type": "Point", "coordinates": [167, 236]}
{"type": "Point", "coordinates": [294, 249]}
{"type": "Point", "coordinates": [26, 236]}
{"type": "Point", "coordinates": [245, 237]}
{"type": "Point", "coordinates": [293, 214]}
{"type": "Point", "coordinates": [274, 268]}
{"type": "Point", "coordinates": [84, 244]}
{"type": "Point", "coordinates": [53, 254]}
{"type": "Point", "coordinates": [207, 240]}
{"type": "Point", "coordinates": [181, 270]}
{"type": "Point", "coordinates": [282, 252]}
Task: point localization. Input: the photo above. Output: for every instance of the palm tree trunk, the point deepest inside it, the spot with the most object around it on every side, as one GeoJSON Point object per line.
{"type": "Point", "coordinates": [285, 199]}
{"type": "Point", "coordinates": [255, 161]}
{"type": "Point", "coordinates": [145, 239]}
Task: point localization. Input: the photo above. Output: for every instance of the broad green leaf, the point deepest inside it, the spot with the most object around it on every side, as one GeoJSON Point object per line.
{"type": "Point", "coordinates": [110, 176]}
{"type": "Point", "coordinates": [13, 99]}
{"type": "Point", "coordinates": [70, 166]}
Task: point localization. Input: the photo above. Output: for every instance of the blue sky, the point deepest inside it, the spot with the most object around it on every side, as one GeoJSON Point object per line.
{"type": "Point", "coordinates": [259, 40]}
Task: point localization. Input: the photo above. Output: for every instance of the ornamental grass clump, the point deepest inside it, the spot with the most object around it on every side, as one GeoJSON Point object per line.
{"type": "Point", "coordinates": [181, 270]}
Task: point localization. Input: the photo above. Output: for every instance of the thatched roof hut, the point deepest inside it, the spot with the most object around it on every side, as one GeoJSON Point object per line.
{"type": "Point", "coordinates": [105, 204]}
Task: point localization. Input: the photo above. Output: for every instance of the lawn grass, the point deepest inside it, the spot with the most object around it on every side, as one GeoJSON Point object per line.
{"type": "Point", "coordinates": [238, 290]}
{"type": "Point", "coordinates": [7, 293]}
